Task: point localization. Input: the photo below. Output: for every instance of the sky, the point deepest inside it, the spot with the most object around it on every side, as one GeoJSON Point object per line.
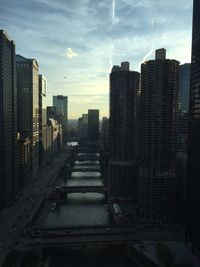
{"type": "Point", "coordinates": [76, 42]}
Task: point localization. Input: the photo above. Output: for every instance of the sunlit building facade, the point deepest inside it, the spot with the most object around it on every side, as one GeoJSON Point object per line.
{"type": "Point", "coordinates": [28, 106]}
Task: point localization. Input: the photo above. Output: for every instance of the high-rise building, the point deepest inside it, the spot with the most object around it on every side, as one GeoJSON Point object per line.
{"type": "Point", "coordinates": [157, 145]}
{"type": "Point", "coordinates": [23, 161]}
{"type": "Point", "coordinates": [28, 106]}
{"type": "Point", "coordinates": [51, 112]}
{"type": "Point", "coordinates": [8, 132]}
{"type": "Point", "coordinates": [124, 88]}
{"type": "Point", "coordinates": [93, 124]}
{"type": "Point", "coordinates": [105, 128]}
{"type": "Point", "coordinates": [42, 118]}
{"type": "Point", "coordinates": [61, 104]}
{"type": "Point", "coordinates": [83, 127]}
{"type": "Point", "coordinates": [184, 88]}
{"type": "Point", "coordinates": [193, 215]}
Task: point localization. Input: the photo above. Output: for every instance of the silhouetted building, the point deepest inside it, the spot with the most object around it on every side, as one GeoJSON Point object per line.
{"type": "Point", "coordinates": [157, 145]}
{"type": "Point", "coordinates": [83, 127]}
{"type": "Point", "coordinates": [93, 124]}
{"type": "Point", "coordinates": [184, 88]}
{"type": "Point", "coordinates": [182, 135]}
{"type": "Point", "coordinates": [124, 87]}
{"type": "Point", "coordinates": [193, 215]}
{"type": "Point", "coordinates": [105, 128]}
{"type": "Point", "coordinates": [42, 118]}
{"type": "Point", "coordinates": [8, 113]}
{"type": "Point", "coordinates": [61, 104]}
{"type": "Point", "coordinates": [28, 106]}
{"type": "Point", "coordinates": [51, 112]}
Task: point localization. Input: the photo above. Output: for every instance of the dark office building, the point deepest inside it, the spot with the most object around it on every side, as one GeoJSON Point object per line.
{"type": "Point", "coordinates": [124, 89]}
{"type": "Point", "coordinates": [83, 127]}
{"type": "Point", "coordinates": [8, 132]}
{"type": "Point", "coordinates": [51, 112]}
{"type": "Point", "coordinates": [182, 135]}
{"type": "Point", "coordinates": [193, 215]}
{"type": "Point", "coordinates": [28, 106]}
{"type": "Point", "coordinates": [105, 128]}
{"type": "Point", "coordinates": [184, 89]}
{"type": "Point", "coordinates": [157, 145]}
{"type": "Point", "coordinates": [93, 124]}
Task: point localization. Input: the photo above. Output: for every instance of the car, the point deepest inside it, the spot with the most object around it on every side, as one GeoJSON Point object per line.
{"type": "Point", "coordinates": [108, 229]}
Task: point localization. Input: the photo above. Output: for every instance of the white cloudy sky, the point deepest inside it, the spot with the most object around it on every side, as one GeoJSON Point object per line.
{"type": "Point", "coordinates": [77, 41]}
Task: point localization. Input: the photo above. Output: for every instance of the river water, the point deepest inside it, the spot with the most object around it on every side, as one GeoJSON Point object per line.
{"type": "Point", "coordinates": [85, 210]}
{"type": "Point", "coordinates": [82, 209]}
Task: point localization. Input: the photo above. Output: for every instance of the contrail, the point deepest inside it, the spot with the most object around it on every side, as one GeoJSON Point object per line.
{"type": "Point", "coordinates": [113, 12]}
{"type": "Point", "coordinates": [112, 45]}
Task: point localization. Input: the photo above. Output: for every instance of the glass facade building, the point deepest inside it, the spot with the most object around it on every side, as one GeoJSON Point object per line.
{"type": "Point", "coordinates": [193, 211]}
{"type": "Point", "coordinates": [28, 105]}
{"type": "Point", "coordinates": [8, 131]}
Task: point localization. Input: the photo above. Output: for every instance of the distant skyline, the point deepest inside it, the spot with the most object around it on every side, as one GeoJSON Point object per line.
{"type": "Point", "coordinates": [76, 42]}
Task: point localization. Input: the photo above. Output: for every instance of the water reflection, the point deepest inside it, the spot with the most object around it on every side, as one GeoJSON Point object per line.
{"type": "Point", "coordinates": [74, 143]}
{"type": "Point", "coordinates": [87, 154]}
{"type": "Point", "coordinates": [82, 167]}
{"type": "Point", "coordinates": [85, 174]}
{"type": "Point", "coordinates": [82, 209]}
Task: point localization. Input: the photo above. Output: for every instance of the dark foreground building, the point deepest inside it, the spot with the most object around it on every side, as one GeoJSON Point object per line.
{"type": "Point", "coordinates": [193, 215]}
{"type": "Point", "coordinates": [124, 88]}
{"type": "Point", "coordinates": [8, 132]}
{"type": "Point", "coordinates": [93, 124]}
{"type": "Point", "coordinates": [157, 145]}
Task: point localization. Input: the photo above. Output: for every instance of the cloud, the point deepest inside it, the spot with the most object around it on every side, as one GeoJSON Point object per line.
{"type": "Point", "coordinates": [110, 31]}
{"type": "Point", "coordinates": [70, 53]}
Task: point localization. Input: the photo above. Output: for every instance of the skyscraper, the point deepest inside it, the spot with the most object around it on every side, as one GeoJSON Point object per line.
{"type": "Point", "coordinates": [8, 132]}
{"type": "Point", "coordinates": [61, 104]}
{"type": "Point", "coordinates": [42, 118]}
{"type": "Point", "coordinates": [83, 127]}
{"type": "Point", "coordinates": [157, 145]}
{"type": "Point", "coordinates": [28, 105]}
{"type": "Point", "coordinates": [193, 215]}
{"type": "Point", "coordinates": [124, 89]}
{"type": "Point", "coordinates": [184, 89]}
{"type": "Point", "coordinates": [93, 124]}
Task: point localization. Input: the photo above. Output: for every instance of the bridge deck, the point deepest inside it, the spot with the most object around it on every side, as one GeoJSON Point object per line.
{"type": "Point", "coordinates": [83, 189]}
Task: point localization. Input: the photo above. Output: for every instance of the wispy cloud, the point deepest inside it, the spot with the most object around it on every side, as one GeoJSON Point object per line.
{"type": "Point", "coordinates": [110, 31]}
{"type": "Point", "coordinates": [70, 53]}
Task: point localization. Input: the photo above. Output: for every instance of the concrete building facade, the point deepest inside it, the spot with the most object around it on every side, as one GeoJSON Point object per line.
{"type": "Point", "coordinates": [61, 104]}
{"type": "Point", "coordinates": [124, 88]}
{"type": "Point", "coordinates": [42, 118]}
{"type": "Point", "coordinates": [28, 106]}
{"type": "Point", "coordinates": [157, 144]}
